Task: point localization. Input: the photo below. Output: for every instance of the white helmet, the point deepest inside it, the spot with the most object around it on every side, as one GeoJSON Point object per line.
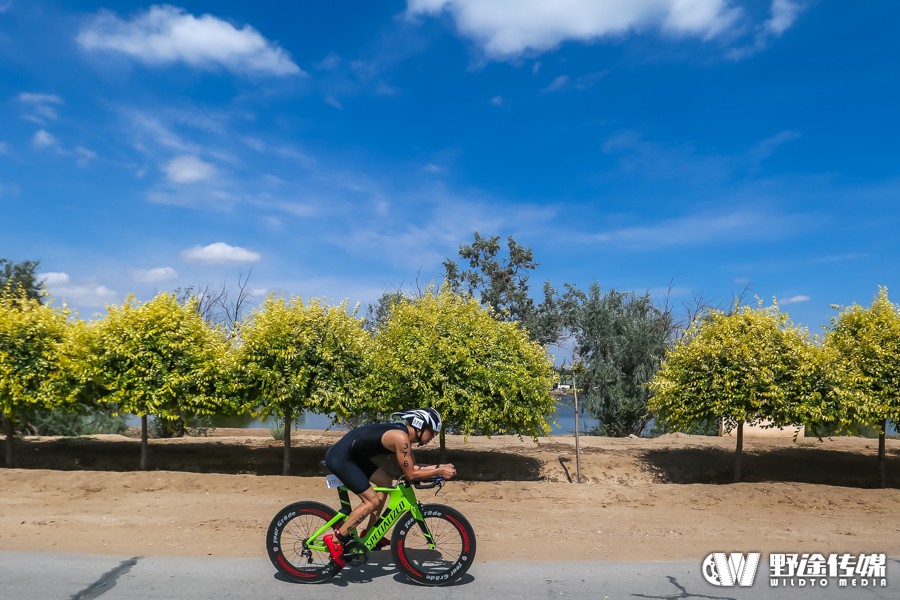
{"type": "Point", "coordinates": [420, 418]}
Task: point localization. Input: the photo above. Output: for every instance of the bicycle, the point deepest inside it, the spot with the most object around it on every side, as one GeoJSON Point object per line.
{"type": "Point", "coordinates": [432, 545]}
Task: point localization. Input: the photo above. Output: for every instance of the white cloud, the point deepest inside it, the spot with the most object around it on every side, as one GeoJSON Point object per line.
{"type": "Point", "coordinates": [154, 275]}
{"type": "Point", "coordinates": [5, 6]}
{"type": "Point", "coordinates": [497, 100]}
{"type": "Point", "coordinates": [784, 13]}
{"type": "Point", "coordinates": [188, 169]}
{"type": "Point", "coordinates": [89, 295]}
{"type": "Point", "coordinates": [43, 139]}
{"type": "Point", "coordinates": [334, 102]}
{"type": "Point", "coordinates": [564, 82]}
{"type": "Point", "coordinates": [794, 299]}
{"type": "Point", "coordinates": [4, 148]}
{"type": "Point", "coordinates": [32, 98]}
{"type": "Point", "coordinates": [220, 253]}
{"type": "Point", "coordinates": [702, 228]}
{"type": "Point", "coordinates": [295, 209]}
{"type": "Point", "coordinates": [508, 28]}
{"type": "Point", "coordinates": [166, 34]}
{"type": "Point", "coordinates": [768, 146]}
{"type": "Point", "coordinates": [85, 155]}
{"type": "Point", "coordinates": [53, 278]}
{"type": "Point", "coordinates": [40, 108]}
{"type": "Point", "coordinates": [329, 63]}
{"type": "Point", "coordinates": [557, 84]}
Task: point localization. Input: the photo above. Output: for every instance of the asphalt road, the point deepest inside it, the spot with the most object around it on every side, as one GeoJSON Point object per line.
{"type": "Point", "coordinates": [41, 576]}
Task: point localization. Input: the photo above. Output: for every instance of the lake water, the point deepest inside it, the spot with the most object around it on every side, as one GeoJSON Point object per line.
{"type": "Point", "coordinates": [565, 421]}
{"type": "Point", "coordinates": [565, 418]}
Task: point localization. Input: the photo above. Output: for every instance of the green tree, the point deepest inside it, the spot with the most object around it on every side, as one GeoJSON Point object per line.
{"type": "Point", "coordinates": [751, 366]}
{"type": "Point", "coordinates": [502, 285]}
{"type": "Point", "coordinates": [484, 376]}
{"type": "Point", "coordinates": [18, 278]}
{"type": "Point", "coordinates": [295, 357]}
{"type": "Point", "coordinates": [621, 339]}
{"type": "Point", "coordinates": [158, 358]}
{"type": "Point", "coordinates": [74, 389]}
{"type": "Point", "coordinates": [30, 336]}
{"type": "Point", "coordinates": [868, 341]}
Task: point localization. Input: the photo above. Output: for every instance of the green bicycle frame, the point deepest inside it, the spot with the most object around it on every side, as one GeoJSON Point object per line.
{"type": "Point", "coordinates": [401, 498]}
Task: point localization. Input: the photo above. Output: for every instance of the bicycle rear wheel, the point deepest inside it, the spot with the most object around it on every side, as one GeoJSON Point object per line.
{"type": "Point", "coordinates": [286, 543]}
{"type": "Point", "coordinates": [453, 551]}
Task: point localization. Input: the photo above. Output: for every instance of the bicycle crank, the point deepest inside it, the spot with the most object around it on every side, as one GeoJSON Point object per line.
{"type": "Point", "coordinates": [355, 553]}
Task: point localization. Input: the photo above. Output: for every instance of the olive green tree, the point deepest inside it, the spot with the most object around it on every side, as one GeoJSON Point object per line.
{"type": "Point", "coordinates": [293, 357]}
{"type": "Point", "coordinates": [158, 358]}
{"type": "Point", "coordinates": [868, 342]}
{"type": "Point", "coordinates": [621, 339]}
{"type": "Point", "coordinates": [484, 376]}
{"type": "Point", "coordinates": [30, 336]}
{"type": "Point", "coordinates": [502, 284]}
{"type": "Point", "coordinates": [20, 278]}
{"type": "Point", "coordinates": [751, 366]}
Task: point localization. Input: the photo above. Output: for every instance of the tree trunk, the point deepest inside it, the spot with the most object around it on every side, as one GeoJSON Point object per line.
{"type": "Point", "coordinates": [442, 455]}
{"type": "Point", "coordinates": [739, 453]}
{"type": "Point", "coordinates": [145, 444]}
{"type": "Point", "coordinates": [881, 451]}
{"type": "Point", "coordinates": [288, 422]}
{"type": "Point", "coordinates": [10, 434]}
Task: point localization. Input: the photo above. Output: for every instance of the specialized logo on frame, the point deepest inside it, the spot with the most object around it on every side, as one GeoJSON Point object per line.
{"type": "Point", "coordinates": [736, 569]}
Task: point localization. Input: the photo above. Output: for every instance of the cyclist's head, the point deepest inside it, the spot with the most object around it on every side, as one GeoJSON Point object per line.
{"type": "Point", "coordinates": [420, 419]}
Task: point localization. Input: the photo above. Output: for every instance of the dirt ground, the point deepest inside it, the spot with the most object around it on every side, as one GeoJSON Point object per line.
{"type": "Point", "coordinates": [667, 498]}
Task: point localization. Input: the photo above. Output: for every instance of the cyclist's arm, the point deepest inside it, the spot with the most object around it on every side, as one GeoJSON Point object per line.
{"type": "Point", "coordinates": [404, 454]}
{"type": "Point", "coordinates": [407, 460]}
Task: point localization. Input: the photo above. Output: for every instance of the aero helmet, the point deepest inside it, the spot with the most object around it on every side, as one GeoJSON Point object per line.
{"type": "Point", "coordinates": [420, 418]}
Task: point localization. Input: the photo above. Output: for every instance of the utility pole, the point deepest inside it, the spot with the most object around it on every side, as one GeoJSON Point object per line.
{"type": "Point", "coordinates": [577, 427]}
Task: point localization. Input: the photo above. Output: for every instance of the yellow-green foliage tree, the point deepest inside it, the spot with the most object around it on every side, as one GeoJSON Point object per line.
{"type": "Point", "coordinates": [868, 341]}
{"type": "Point", "coordinates": [751, 366]}
{"type": "Point", "coordinates": [158, 358]}
{"type": "Point", "coordinates": [30, 336]}
{"type": "Point", "coordinates": [484, 376]}
{"type": "Point", "coordinates": [293, 357]}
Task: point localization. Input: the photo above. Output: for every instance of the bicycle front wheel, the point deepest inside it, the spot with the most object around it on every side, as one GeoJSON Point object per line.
{"type": "Point", "coordinates": [445, 557]}
{"type": "Point", "coordinates": [288, 547]}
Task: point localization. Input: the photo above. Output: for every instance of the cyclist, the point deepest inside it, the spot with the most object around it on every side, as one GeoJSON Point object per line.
{"type": "Point", "coordinates": [351, 460]}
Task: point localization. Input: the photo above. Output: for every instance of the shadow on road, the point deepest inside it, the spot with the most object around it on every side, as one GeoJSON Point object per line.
{"type": "Point", "coordinates": [380, 564]}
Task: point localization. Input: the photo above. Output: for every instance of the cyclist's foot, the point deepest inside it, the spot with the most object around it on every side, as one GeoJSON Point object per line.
{"type": "Point", "coordinates": [382, 543]}
{"type": "Point", "coordinates": [336, 548]}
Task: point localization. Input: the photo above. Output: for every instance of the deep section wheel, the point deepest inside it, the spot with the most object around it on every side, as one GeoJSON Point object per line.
{"type": "Point", "coordinates": [445, 557]}
{"type": "Point", "coordinates": [286, 542]}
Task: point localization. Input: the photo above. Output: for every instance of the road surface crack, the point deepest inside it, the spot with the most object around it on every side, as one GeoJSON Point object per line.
{"type": "Point", "coordinates": [107, 581]}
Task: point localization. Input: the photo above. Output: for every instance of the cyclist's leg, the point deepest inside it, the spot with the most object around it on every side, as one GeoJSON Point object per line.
{"type": "Point", "coordinates": [380, 479]}
{"type": "Point", "coordinates": [354, 475]}
{"type": "Point", "coordinates": [368, 502]}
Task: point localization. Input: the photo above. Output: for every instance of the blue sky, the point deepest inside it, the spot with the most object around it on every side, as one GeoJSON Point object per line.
{"type": "Point", "coordinates": [341, 149]}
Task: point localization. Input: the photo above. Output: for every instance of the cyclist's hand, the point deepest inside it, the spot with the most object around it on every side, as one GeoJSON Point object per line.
{"type": "Point", "coordinates": [447, 471]}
